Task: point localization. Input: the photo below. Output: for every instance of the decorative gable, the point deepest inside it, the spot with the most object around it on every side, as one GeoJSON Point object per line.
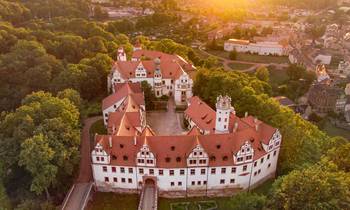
{"type": "Point", "coordinates": [140, 71]}
{"type": "Point", "coordinates": [198, 157]}
{"type": "Point", "coordinates": [245, 154]}
{"type": "Point", "coordinates": [145, 157]}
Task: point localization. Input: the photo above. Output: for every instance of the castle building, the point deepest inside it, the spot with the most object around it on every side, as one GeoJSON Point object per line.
{"type": "Point", "coordinates": [167, 74]}
{"type": "Point", "coordinates": [261, 48]}
{"type": "Point", "coordinates": [220, 155]}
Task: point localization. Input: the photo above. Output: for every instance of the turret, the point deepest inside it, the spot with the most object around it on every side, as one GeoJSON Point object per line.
{"type": "Point", "coordinates": [121, 55]}
{"type": "Point", "coordinates": [223, 110]}
{"type": "Point", "coordinates": [157, 78]}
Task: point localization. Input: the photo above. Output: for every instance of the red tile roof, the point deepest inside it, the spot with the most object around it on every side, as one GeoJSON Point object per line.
{"type": "Point", "coordinates": [123, 90]}
{"type": "Point", "coordinates": [149, 54]}
{"type": "Point", "coordinates": [170, 69]}
{"type": "Point", "coordinates": [172, 151]}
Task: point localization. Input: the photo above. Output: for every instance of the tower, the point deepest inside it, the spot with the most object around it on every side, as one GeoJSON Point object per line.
{"type": "Point", "coordinates": [223, 110]}
{"type": "Point", "coordinates": [158, 83]}
{"type": "Point", "coordinates": [121, 55]}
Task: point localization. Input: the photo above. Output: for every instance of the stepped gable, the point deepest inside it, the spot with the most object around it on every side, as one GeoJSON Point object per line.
{"type": "Point", "coordinates": [172, 151]}
{"type": "Point", "coordinates": [170, 68]}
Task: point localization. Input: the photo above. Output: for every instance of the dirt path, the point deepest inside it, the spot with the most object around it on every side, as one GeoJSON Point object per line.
{"type": "Point", "coordinates": [228, 61]}
{"type": "Point", "coordinates": [85, 174]}
{"type": "Point", "coordinates": [77, 198]}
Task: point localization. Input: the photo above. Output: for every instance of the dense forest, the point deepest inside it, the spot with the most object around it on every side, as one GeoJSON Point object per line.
{"type": "Point", "coordinates": [54, 61]}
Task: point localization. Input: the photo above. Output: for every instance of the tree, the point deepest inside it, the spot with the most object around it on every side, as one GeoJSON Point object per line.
{"type": "Point", "coordinates": [251, 95]}
{"type": "Point", "coordinates": [210, 62]}
{"type": "Point", "coordinates": [317, 187]}
{"type": "Point", "coordinates": [36, 157]}
{"type": "Point", "coordinates": [99, 13]}
{"type": "Point", "coordinates": [72, 95]}
{"type": "Point", "coordinates": [54, 124]}
{"type": "Point", "coordinates": [233, 55]}
{"type": "Point", "coordinates": [247, 201]}
{"type": "Point", "coordinates": [26, 68]}
{"type": "Point", "coordinates": [340, 156]}
{"type": "Point", "coordinates": [263, 74]}
{"type": "Point", "coordinates": [149, 95]}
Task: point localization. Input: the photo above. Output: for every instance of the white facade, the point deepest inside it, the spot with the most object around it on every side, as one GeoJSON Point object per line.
{"type": "Point", "coordinates": [261, 48]}
{"type": "Point", "coordinates": [245, 173]}
{"type": "Point", "coordinates": [323, 59]}
{"type": "Point", "coordinates": [111, 109]}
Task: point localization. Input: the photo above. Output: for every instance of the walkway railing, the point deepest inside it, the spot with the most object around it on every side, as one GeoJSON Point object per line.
{"type": "Point", "coordinates": [143, 197]}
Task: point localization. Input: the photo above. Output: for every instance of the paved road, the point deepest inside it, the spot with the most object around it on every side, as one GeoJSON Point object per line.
{"type": "Point", "coordinates": [166, 123]}
{"type": "Point", "coordinates": [81, 187]}
{"type": "Point", "coordinates": [148, 198]}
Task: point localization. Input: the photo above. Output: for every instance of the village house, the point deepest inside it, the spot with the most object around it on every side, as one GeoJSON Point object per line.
{"type": "Point", "coordinates": [343, 69]}
{"type": "Point", "coordinates": [261, 48]}
{"type": "Point", "coordinates": [221, 154]}
{"type": "Point", "coordinates": [167, 74]}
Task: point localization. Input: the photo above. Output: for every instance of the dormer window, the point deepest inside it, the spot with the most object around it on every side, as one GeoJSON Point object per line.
{"type": "Point", "coordinates": [218, 146]}
{"type": "Point", "coordinates": [125, 158]}
{"type": "Point", "coordinates": [178, 159]}
{"type": "Point", "coordinates": [172, 148]}
{"type": "Point", "coordinates": [167, 159]}
{"type": "Point", "coordinates": [114, 157]}
{"type": "Point", "coordinates": [225, 158]}
{"type": "Point", "coordinates": [212, 158]}
{"type": "Point", "coordinates": [121, 145]}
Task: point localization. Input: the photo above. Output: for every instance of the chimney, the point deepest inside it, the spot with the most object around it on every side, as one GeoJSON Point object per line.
{"type": "Point", "coordinates": [110, 141]}
{"type": "Point", "coordinates": [256, 124]}
{"type": "Point", "coordinates": [135, 141]}
{"type": "Point", "coordinates": [235, 127]}
{"type": "Point", "coordinates": [113, 129]}
{"type": "Point", "coordinates": [246, 114]}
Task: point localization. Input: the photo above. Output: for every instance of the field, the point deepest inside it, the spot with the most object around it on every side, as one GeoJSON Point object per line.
{"type": "Point", "coordinates": [331, 130]}
{"type": "Point", "coordinates": [98, 127]}
{"type": "Point", "coordinates": [113, 201]}
{"type": "Point", "coordinates": [239, 66]}
{"type": "Point", "coordinates": [252, 57]}
{"type": "Point", "coordinates": [277, 76]}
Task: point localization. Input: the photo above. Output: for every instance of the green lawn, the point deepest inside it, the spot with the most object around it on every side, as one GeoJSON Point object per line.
{"type": "Point", "coordinates": [277, 76]}
{"type": "Point", "coordinates": [219, 53]}
{"type": "Point", "coordinates": [239, 66]}
{"type": "Point", "coordinates": [98, 127]}
{"type": "Point", "coordinates": [264, 188]}
{"type": "Point", "coordinates": [261, 58]}
{"type": "Point", "coordinates": [223, 203]}
{"type": "Point", "coordinates": [252, 57]}
{"type": "Point", "coordinates": [113, 201]}
{"type": "Point", "coordinates": [331, 130]}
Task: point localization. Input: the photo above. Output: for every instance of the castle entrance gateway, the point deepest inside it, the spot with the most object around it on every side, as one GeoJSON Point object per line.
{"type": "Point", "coordinates": [149, 194]}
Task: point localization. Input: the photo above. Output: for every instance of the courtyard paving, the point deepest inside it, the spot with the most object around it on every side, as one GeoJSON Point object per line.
{"type": "Point", "coordinates": [166, 122]}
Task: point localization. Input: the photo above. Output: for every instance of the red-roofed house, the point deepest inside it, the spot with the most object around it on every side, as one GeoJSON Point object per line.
{"type": "Point", "coordinates": [165, 73]}
{"type": "Point", "coordinates": [220, 155]}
